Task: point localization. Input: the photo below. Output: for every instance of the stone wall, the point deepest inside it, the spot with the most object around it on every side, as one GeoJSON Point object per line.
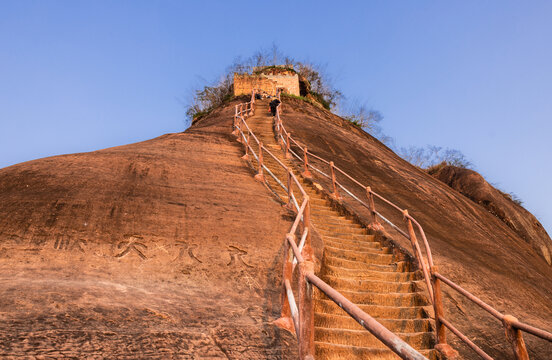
{"type": "Point", "coordinates": [290, 83]}
{"type": "Point", "coordinates": [244, 83]}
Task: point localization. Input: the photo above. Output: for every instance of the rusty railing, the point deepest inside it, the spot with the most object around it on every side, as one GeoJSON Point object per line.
{"type": "Point", "coordinates": [432, 278]}
{"type": "Point", "coordinates": [298, 316]}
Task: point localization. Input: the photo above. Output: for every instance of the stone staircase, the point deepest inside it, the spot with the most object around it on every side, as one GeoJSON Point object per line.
{"type": "Point", "coordinates": [357, 266]}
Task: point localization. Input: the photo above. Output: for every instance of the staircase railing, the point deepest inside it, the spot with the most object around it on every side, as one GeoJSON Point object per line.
{"type": "Point", "coordinates": [299, 317]}
{"type": "Point", "coordinates": [432, 277]}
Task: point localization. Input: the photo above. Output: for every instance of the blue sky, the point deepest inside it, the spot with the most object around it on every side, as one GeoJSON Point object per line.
{"type": "Point", "coordinates": [472, 75]}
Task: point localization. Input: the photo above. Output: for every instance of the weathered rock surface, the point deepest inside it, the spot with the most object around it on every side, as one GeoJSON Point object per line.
{"type": "Point", "coordinates": [164, 249]}
{"type": "Point", "coordinates": [470, 245]}
{"type": "Point", "coordinates": [169, 249]}
{"type": "Point", "coordinates": [475, 187]}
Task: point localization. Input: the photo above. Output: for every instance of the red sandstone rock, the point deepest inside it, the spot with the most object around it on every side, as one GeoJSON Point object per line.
{"type": "Point", "coordinates": [470, 245]}
{"type": "Point", "coordinates": [166, 248]}
{"type": "Point", "coordinates": [474, 186]}
{"type": "Point", "coordinates": [170, 249]}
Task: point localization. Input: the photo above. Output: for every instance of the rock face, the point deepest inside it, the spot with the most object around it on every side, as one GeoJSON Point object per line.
{"type": "Point", "coordinates": [166, 248]}
{"type": "Point", "coordinates": [474, 186]}
{"type": "Point", "coordinates": [470, 245]}
{"type": "Point", "coordinates": [169, 248]}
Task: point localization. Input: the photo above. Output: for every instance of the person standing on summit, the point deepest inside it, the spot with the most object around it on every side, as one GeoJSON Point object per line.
{"type": "Point", "coordinates": [273, 105]}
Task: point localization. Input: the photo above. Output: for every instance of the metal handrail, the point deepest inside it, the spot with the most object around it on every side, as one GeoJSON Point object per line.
{"type": "Point", "coordinates": [302, 316]}
{"type": "Point", "coordinates": [431, 276]}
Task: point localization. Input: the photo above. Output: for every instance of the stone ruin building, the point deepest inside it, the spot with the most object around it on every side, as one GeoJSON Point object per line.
{"type": "Point", "coordinates": [268, 79]}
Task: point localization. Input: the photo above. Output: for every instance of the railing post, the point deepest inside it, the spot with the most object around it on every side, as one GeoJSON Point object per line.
{"type": "Point", "coordinates": [413, 239]}
{"type": "Point", "coordinates": [515, 338]}
{"type": "Point", "coordinates": [372, 206]}
{"type": "Point", "coordinates": [240, 123]}
{"type": "Point", "coordinates": [286, 310]}
{"type": "Point", "coordinates": [306, 312]}
{"type": "Point", "coordinates": [285, 321]}
{"type": "Point", "coordinates": [279, 130]}
{"type": "Point", "coordinates": [260, 176]}
{"type": "Point", "coordinates": [288, 154]}
{"type": "Point", "coordinates": [277, 124]}
{"type": "Point", "coordinates": [418, 253]}
{"type": "Point", "coordinates": [440, 330]}
{"type": "Point", "coordinates": [236, 131]}
{"type": "Point", "coordinates": [306, 172]}
{"type": "Point", "coordinates": [281, 142]}
{"type": "Point", "coordinates": [289, 204]}
{"type": "Point", "coordinates": [246, 156]}
{"type": "Point", "coordinates": [307, 252]}
{"type": "Point", "coordinates": [335, 193]}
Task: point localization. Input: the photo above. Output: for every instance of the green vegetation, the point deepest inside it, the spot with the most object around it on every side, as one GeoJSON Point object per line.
{"type": "Point", "coordinates": [320, 99]}
{"type": "Point", "coordinates": [291, 96]}
{"type": "Point", "coordinates": [316, 89]}
{"type": "Point", "coordinates": [315, 101]}
{"type": "Point", "coordinates": [287, 68]}
{"type": "Point", "coordinates": [316, 82]}
{"type": "Point", "coordinates": [209, 98]}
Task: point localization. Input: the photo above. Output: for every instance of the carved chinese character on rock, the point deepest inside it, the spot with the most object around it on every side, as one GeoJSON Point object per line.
{"type": "Point", "coordinates": [186, 251]}
{"type": "Point", "coordinates": [132, 244]}
{"type": "Point", "coordinates": [237, 256]}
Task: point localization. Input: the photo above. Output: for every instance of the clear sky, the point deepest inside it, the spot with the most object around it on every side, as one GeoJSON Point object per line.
{"type": "Point", "coordinates": [472, 75]}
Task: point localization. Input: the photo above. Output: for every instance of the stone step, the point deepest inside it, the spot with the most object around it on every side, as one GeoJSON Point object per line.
{"type": "Point", "coordinates": [369, 274]}
{"type": "Point", "coordinates": [326, 306]}
{"type": "Point", "coordinates": [358, 265]}
{"type": "Point", "coordinates": [330, 351]}
{"type": "Point", "coordinates": [369, 285]}
{"type": "Point", "coordinates": [319, 207]}
{"type": "Point", "coordinates": [341, 220]}
{"type": "Point", "coordinates": [346, 252]}
{"type": "Point", "coordinates": [357, 256]}
{"type": "Point", "coordinates": [383, 299]}
{"type": "Point", "coordinates": [276, 187]}
{"type": "Point", "coordinates": [322, 209]}
{"type": "Point", "coordinates": [420, 340]}
{"type": "Point", "coordinates": [324, 215]}
{"type": "Point", "coordinates": [395, 325]}
{"type": "Point", "coordinates": [342, 229]}
{"type": "Point", "coordinates": [269, 161]}
{"type": "Point", "coordinates": [367, 244]}
{"type": "Point", "coordinates": [354, 245]}
{"type": "Point", "coordinates": [343, 235]}
{"type": "Point", "coordinates": [279, 172]}
{"type": "Point", "coordinates": [312, 192]}
{"type": "Point", "coordinates": [318, 201]}
{"type": "Point", "coordinates": [361, 239]}
{"type": "Point", "coordinates": [327, 223]}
